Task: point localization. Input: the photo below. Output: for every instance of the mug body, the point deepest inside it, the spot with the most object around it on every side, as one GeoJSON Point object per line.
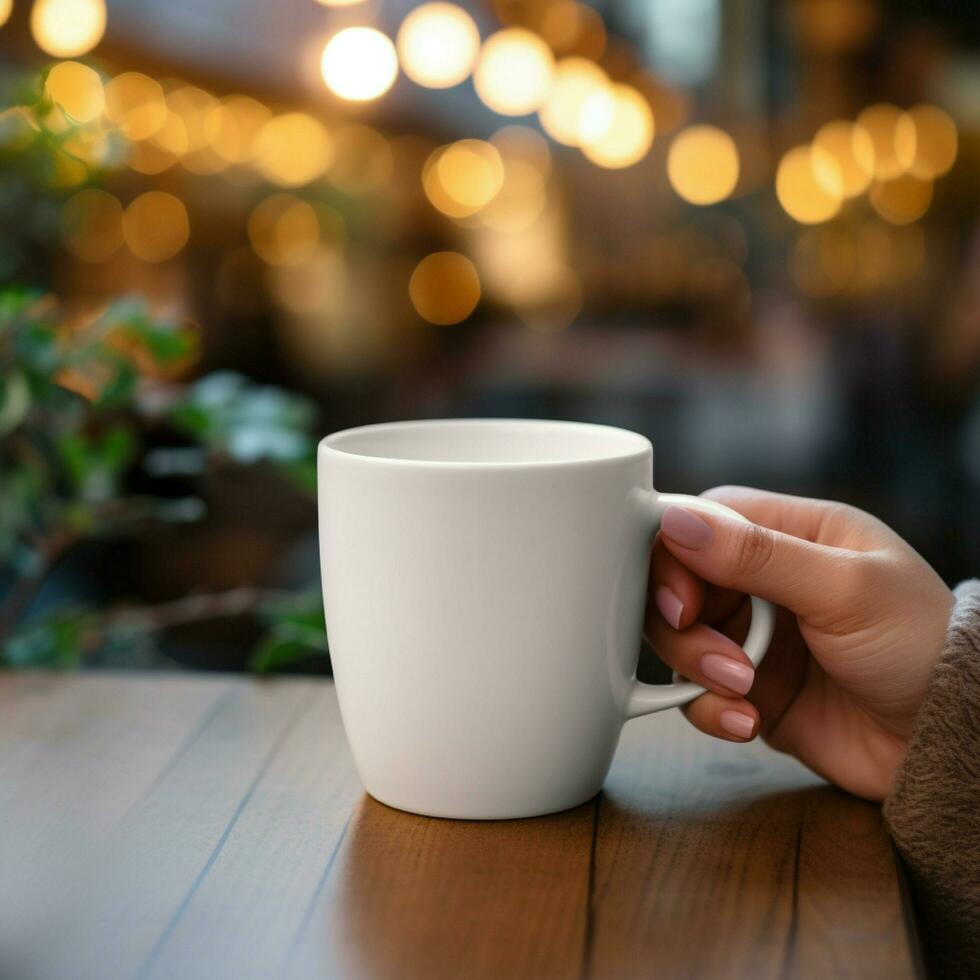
{"type": "Point", "coordinates": [484, 587]}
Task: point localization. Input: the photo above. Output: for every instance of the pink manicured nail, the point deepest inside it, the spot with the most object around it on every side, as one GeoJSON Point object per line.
{"type": "Point", "coordinates": [686, 528]}
{"type": "Point", "coordinates": [737, 724]}
{"type": "Point", "coordinates": [737, 677]}
{"type": "Point", "coordinates": [670, 605]}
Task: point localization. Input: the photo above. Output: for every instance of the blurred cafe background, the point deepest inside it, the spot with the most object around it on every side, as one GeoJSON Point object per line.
{"type": "Point", "coordinates": [745, 228]}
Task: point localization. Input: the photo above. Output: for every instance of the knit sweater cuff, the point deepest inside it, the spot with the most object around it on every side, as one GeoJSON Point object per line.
{"type": "Point", "coordinates": [934, 810]}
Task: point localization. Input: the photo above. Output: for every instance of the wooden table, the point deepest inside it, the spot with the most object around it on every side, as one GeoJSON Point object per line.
{"type": "Point", "coordinates": [181, 826]}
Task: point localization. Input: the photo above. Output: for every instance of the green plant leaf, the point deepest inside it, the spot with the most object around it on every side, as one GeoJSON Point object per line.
{"type": "Point", "coordinates": [274, 652]}
{"type": "Point", "coordinates": [57, 640]}
{"type": "Point", "coordinates": [15, 401]}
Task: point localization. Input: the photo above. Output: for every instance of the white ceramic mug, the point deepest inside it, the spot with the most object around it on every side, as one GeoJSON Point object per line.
{"type": "Point", "coordinates": [484, 583]}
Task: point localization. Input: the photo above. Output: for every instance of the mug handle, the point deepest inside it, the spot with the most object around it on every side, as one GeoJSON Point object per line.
{"type": "Point", "coordinates": [643, 698]}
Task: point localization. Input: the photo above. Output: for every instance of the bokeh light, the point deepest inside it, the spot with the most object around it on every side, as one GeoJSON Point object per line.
{"type": "Point", "coordinates": [363, 162]}
{"type": "Point", "coordinates": [521, 143]}
{"type": "Point", "coordinates": [293, 149]}
{"type": "Point", "coordinates": [514, 73]}
{"type": "Point", "coordinates": [359, 64]}
{"type": "Point", "coordinates": [232, 127]}
{"type": "Point", "coordinates": [851, 152]}
{"type": "Point", "coordinates": [524, 193]}
{"type": "Point", "coordinates": [68, 28]}
{"type": "Point", "coordinates": [6, 9]}
{"type": "Point", "coordinates": [804, 197]}
{"type": "Point", "coordinates": [91, 225]}
{"type": "Point", "coordinates": [313, 286]}
{"type": "Point", "coordinates": [136, 104]}
{"type": "Point", "coordinates": [155, 226]}
{"type": "Point", "coordinates": [283, 230]}
{"type": "Point", "coordinates": [703, 164]}
{"type": "Point", "coordinates": [520, 200]}
{"type": "Point", "coordinates": [438, 44]}
{"type": "Point", "coordinates": [193, 106]}
{"type": "Point", "coordinates": [575, 81]}
{"type": "Point", "coordinates": [882, 123]}
{"type": "Point", "coordinates": [471, 172]}
{"type": "Point", "coordinates": [444, 288]}
{"type": "Point", "coordinates": [461, 178]}
{"type": "Point", "coordinates": [148, 157]}
{"type": "Point", "coordinates": [616, 128]}
{"type": "Point", "coordinates": [77, 89]}
{"type": "Point", "coordinates": [926, 142]}
{"type": "Point", "coordinates": [901, 200]}
{"type": "Point", "coordinates": [573, 28]}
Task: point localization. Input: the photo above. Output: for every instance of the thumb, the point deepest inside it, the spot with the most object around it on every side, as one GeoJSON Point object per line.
{"type": "Point", "coordinates": [734, 554]}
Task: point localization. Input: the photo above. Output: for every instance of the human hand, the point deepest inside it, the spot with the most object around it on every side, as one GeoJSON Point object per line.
{"type": "Point", "coordinates": [862, 622]}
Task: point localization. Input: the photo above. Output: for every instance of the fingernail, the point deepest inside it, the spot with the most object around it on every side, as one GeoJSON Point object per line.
{"type": "Point", "coordinates": [669, 604]}
{"type": "Point", "coordinates": [737, 724]}
{"type": "Point", "coordinates": [737, 677]}
{"type": "Point", "coordinates": [687, 529]}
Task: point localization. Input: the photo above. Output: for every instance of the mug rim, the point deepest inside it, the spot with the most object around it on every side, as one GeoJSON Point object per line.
{"type": "Point", "coordinates": [636, 446]}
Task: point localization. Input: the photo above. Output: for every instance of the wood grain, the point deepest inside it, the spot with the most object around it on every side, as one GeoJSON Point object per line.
{"type": "Point", "coordinates": [418, 897]}
{"type": "Point", "coordinates": [722, 860]}
{"type": "Point", "coordinates": [199, 827]}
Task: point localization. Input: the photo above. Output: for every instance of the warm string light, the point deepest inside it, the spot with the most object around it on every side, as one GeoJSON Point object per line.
{"type": "Point", "coordinates": [68, 28]}
{"type": "Point", "coordinates": [514, 73]}
{"type": "Point", "coordinates": [359, 64]}
{"type": "Point", "coordinates": [438, 44]}
{"type": "Point", "coordinates": [444, 288]}
{"type": "Point", "coordinates": [891, 154]}
{"type": "Point", "coordinates": [77, 89]}
{"type": "Point", "coordinates": [703, 165]}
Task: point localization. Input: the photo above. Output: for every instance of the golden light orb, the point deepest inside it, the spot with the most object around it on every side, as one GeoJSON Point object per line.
{"type": "Point", "coordinates": [77, 89]}
{"type": "Point", "coordinates": [6, 9]}
{"type": "Point", "coordinates": [91, 225]}
{"type": "Point", "coordinates": [616, 128]}
{"type": "Point", "coordinates": [882, 124]}
{"type": "Point", "coordinates": [444, 288]}
{"type": "Point", "coordinates": [172, 135]}
{"type": "Point", "coordinates": [136, 104]}
{"type": "Point", "coordinates": [461, 178]}
{"type": "Point", "coordinates": [573, 28]}
{"type": "Point", "coordinates": [155, 226]}
{"type": "Point", "coordinates": [293, 149]}
{"type": "Point", "coordinates": [359, 64]}
{"type": "Point", "coordinates": [926, 142]}
{"type": "Point", "coordinates": [471, 172]}
{"type": "Point", "coordinates": [193, 105]}
{"type": "Point", "coordinates": [150, 158]}
{"type": "Point", "coordinates": [576, 80]}
{"type": "Point", "coordinates": [901, 200]}
{"type": "Point", "coordinates": [851, 152]}
{"type": "Point", "coordinates": [703, 165]}
{"type": "Point", "coordinates": [67, 28]}
{"type": "Point", "coordinates": [514, 73]}
{"type": "Point", "coordinates": [284, 230]}
{"type": "Point", "coordinates": [232, 127]}
{"type": "Point", "coordinates": [438, 44]}
{"type": "Point", "coordinates": [803, 196]}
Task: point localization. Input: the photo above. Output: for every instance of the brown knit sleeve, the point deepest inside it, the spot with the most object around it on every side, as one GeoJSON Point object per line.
{"type": "Point", "coordinates": [934, 810]}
